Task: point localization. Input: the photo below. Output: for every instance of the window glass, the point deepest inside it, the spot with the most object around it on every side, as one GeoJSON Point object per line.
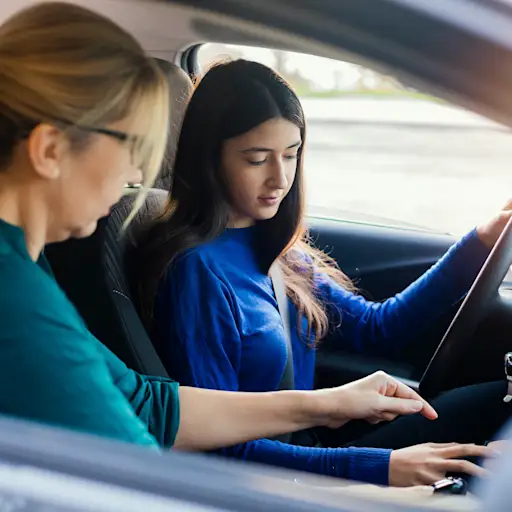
{"type": "Point", "coordinates": [381, 152]}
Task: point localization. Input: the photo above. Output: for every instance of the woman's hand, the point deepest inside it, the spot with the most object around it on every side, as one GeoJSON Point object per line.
{"type": "Point", "coordinates": [425, 464]}
{"type": "Point", "coordinates": [375, 398]}
{"type": "Point", "coordinates": [491, 231]}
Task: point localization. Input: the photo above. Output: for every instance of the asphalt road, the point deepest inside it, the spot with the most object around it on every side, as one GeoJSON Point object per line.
{"type": "Point", "coordinates": [411, 161]}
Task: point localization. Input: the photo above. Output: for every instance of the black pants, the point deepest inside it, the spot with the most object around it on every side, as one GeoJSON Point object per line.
{"type": "Point", "coordinates": [473, 414]}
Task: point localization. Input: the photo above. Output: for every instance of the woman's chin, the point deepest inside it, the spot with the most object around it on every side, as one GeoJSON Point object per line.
{"type": "Point", "coordinates": [84, 232]}
{"type": "Point", "coordinates": [266, 214]}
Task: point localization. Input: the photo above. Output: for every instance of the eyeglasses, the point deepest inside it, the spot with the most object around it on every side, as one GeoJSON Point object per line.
{"type": "Point", "coordinates": [116, 134]}
{"type": "Point", "coordinates": [25, 131]}
{"type": "Point", "coordinates": [132, 140]}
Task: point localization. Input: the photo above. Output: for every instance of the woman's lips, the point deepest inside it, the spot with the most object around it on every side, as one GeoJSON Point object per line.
{"type": "Point", "coordinates": [269, 201]}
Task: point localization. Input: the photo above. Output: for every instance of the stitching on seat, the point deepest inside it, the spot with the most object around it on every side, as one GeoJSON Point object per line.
{"type": "Point", "coordinates": [122, 294]}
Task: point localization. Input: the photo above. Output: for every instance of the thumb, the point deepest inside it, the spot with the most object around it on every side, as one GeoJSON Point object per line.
{"type": "Point", "coordinates": [400, 405]}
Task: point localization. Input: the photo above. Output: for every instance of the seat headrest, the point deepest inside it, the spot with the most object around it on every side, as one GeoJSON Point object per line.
{"type": "Point", "coordinates": [180, 86]}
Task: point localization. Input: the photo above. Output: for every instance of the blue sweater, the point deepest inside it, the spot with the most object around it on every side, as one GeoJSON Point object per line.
{"type": "Point", "coordinates": [218, 321]}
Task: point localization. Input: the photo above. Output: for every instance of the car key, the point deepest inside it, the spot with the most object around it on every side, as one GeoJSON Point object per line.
{"type": "Point", "coordinates": [508, 375]}
{"type": "Point", "coordinates": [450, 485]}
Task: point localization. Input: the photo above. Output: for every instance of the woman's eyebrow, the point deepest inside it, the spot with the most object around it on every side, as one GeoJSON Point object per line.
{"type": "Point", "coordinates": [258, 149]}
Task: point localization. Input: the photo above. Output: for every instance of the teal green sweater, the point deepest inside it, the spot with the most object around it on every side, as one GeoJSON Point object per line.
{"type": "Point", "coordinates": [53, 370]}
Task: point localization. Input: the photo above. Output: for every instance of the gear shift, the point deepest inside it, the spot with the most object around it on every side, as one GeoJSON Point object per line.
{"type": "Point", "coordinates": [508, 374]}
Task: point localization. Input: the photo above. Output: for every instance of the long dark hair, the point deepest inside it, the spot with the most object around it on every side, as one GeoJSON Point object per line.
{"type": "Point", "coordinates": [231, 99]}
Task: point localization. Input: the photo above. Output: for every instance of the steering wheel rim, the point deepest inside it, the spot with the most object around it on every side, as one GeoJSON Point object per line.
{"type": "Point", "coordinates": [470, 313]}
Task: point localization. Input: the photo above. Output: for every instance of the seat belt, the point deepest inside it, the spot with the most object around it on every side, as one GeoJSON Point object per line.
{"type": "Point", "coordinates": [304, 437]}
{"type": "Point", "coordinates": [288, 378]}
{"type": "Point", "coordinates": [276, 275]}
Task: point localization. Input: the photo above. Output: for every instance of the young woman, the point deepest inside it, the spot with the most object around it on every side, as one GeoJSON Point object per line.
{"type": "Point", "coordinates": [82, 109]}
{"type": "Point", "coordinates": [236, 208]}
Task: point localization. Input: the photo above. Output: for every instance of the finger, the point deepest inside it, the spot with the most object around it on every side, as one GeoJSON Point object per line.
{"type": "Point", "coordinates": [421, 490]}
{"type": "Point", "coordinates": [432, 476]}
{"type": "Point", "coordinates": [383, 416]}
{"type": "Point", "coordinates": [467, 450]}
{"type": "Point", "coordinates": [398, 406]}
{"type": "Point", "coordinates": [462, 466]}
{"type": "Point", "coordinates": [499, 446]}
{"type": "Point", "coordinates": [402, 391]}
{"type": "Point", "coordinates": [503, 217]}
{"type": "Point", "coordinates": [441, 445]}
{"type": "Point", "coordinates": [388, 416]}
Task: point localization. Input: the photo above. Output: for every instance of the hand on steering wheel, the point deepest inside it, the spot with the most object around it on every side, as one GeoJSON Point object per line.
{"type": "Point", "coordinates": [489, 232]}
{"type": "Point", "coordinates": [498, 235]}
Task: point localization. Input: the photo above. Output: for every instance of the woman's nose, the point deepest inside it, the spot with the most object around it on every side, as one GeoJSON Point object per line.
{"type": "Point", "coordinates": [136, 177]}
{"type": "Point", "coordinates": [278, 178]}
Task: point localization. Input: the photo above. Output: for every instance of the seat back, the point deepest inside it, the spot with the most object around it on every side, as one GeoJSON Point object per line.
{"type": "Point", "coordinates": [92, 271]}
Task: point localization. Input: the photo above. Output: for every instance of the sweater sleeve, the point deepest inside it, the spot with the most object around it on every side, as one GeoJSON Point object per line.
{"type": "Point", "coordinates": [155, 400]}
{"type": "Point", "coordinates": [53, 370]}
{"type": "Point", "coordinates": [385, 327]}
{"type": "Point", "coordinates": [198, 316]}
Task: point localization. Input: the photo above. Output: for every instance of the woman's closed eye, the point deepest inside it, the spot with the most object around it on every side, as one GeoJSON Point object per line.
{"type": "Point", "coordinates": [261, 162]}
{"type": "Point", "coordinates": [257, 162]}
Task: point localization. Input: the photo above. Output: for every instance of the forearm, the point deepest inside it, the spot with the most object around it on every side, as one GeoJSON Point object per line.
{"type": "Point", "coordinates": [386, 327]}
{"type": "Point", "coordinates": [211, 419]}
{"type": "Point", "coordinates": [370, 465]}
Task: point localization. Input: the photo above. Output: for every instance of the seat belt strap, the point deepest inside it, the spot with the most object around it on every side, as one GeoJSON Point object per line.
{"type": "Point", "coordinates": [288, 378]}
{"type": "Point", "coordinates": [276, 275]}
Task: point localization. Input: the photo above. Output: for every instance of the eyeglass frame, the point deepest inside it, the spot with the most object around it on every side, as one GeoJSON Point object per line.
{"type": "Point", "coordinates": [109, 132]}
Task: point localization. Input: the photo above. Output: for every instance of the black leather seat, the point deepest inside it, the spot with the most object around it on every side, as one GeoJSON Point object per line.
{"type": "Point", "coordinates": [92, 270]}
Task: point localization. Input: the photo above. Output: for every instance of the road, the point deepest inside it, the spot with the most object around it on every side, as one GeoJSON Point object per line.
{"type": "Point", "coordinates": [409, 160]}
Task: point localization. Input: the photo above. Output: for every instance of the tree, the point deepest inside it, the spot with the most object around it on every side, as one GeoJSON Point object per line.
{"type": "Point", "coordinates": [280, 59]}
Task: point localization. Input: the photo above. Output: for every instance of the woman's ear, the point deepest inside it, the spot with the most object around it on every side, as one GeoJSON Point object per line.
{"type": "Point", "coordinates": [45, 147]}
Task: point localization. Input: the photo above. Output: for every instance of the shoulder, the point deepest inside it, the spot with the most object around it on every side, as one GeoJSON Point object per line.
{"type": "Point", "coordinates": [26, 285]}
{"type": "Point", "coordinates": [193, 274]}
{"type": "Point", "coordinates": [192, 285]}
{"type": "Point", "coordinates": [200, 256]}
{"type": "Point", "coordinates": [32, 303]}
{"type": "Point", "coordinates": [198, 263]}
{"type": "Point", "coordinates": [42, 336]}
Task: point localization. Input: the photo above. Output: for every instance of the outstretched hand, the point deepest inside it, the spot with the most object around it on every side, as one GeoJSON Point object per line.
{"type": "Point", "coordinates": [378, 397]}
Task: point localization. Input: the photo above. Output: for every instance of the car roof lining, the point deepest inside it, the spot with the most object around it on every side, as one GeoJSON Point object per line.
{"type": "Point", "coordinates": [381, 35]}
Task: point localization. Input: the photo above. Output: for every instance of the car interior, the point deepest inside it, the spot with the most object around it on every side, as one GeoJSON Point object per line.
{"type": "Point", "coordinates": [382, 260]}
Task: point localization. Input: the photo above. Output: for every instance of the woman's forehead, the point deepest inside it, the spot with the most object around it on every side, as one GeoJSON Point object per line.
{"type": "Point", "coordinates": [274, 134]}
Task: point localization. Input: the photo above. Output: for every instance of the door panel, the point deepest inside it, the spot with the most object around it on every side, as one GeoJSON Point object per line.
{"type": "Point", "coordinates": [383, 261]}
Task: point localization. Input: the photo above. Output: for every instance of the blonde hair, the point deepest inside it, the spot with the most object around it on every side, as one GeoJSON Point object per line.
{"type": "Point", "coordinates": [62, 62]}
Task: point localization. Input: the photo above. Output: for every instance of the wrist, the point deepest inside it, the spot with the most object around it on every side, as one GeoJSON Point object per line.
{"type": "Point", "coordinates": [485, 236]}
{"type": "Point", "coordinates": [327, 407]}
{"type": "Point", "coordinates": [308, 410]}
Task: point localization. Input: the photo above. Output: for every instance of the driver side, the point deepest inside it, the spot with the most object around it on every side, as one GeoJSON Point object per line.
{"type": "Point", "coordinates": [395, 439]}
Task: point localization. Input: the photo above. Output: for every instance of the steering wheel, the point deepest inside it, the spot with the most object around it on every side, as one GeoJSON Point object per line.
{"type": "Point", "coordinates": [472, 310]}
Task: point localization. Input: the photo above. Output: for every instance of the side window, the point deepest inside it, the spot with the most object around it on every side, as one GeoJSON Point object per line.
{"type": "Point", "coordinates": [380, 152]}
